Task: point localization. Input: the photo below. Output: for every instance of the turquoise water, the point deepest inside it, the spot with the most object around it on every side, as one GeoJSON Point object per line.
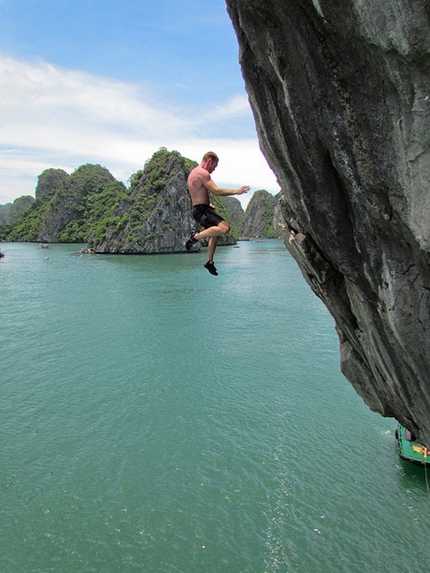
{"type": "Point", "coordinates": [158, 419]}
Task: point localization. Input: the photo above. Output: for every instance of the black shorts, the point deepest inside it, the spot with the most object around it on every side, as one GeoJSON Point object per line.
{"type": "Point", "coordinates": [206, 216]}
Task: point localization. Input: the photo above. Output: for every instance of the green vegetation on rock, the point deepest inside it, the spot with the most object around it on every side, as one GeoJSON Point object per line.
{"type": "Point", "coordinates": [67, 207]}
{"type": "Point", "coordinates": [152, 215]}
{"type": "Point", "coordinates": [259, 217]}
{"type": "Point", "coordinates": [155, 212]}
{"type": "Point", "coordinates": [12, 211]}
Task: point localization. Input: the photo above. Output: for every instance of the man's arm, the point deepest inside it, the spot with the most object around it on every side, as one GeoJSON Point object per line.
{"type": "Point", "coordinates": [220, 191]}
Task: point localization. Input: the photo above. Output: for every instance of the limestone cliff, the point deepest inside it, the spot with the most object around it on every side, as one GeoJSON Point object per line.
{"type": "Point", "coordinates": [234, 210]}
{"type": "Point", "coordinates": [90, 206]}
{"type": "Point", "coordinates": [340, 93]}
{"type": "Point", "coordinates": [259, 217]}
{"type": "Point", "coordinates": [155, 215]}
{"type": "Point", "coordinates": [67, 206]}
{"type": "Point", "coordinates": [12, 211]}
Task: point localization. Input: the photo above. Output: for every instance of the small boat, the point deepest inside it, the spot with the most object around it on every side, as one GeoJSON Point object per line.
{"type": "Point", "coordinates": [411, 450]}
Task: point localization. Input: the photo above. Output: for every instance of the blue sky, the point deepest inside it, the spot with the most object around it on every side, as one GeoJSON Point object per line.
{"type": "Point", "coordinates": [110, 82]}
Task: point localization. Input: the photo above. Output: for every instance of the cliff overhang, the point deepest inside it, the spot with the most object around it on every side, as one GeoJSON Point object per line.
{"type": "Point", "coordinates": [340, 93]}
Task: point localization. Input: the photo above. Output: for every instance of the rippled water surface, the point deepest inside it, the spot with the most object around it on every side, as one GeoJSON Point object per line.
{"type": "Point", "coordinates": [158, 419]}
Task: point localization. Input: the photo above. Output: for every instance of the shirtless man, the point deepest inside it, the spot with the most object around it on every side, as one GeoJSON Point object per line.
{"type": "Point", "coordinates": [200, 185]}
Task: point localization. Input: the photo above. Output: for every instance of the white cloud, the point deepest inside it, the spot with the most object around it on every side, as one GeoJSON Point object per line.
{"type": "Point", "coordinates": [53, 117]}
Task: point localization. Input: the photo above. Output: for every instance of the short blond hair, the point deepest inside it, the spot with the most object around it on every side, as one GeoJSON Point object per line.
{"type": "Point", "coordinates": [210, 155]}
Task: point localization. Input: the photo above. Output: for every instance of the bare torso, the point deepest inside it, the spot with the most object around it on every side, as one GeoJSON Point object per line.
{"type": "Point", "coordinates": [197, 181]}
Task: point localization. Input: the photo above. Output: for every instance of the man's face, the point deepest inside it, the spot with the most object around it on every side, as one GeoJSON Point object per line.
{"type": "Point", "coordinates": [212, 165]}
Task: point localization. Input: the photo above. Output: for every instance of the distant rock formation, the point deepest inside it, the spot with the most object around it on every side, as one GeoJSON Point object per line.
{"type": "Point", "coordinates": [234, 209]}
{"type": "Point", "coordinates": [67, 207]}
{"type": "Point", "coordinates": [340, 92]}
{"type": "Point", "coordinates": [12, 211]}
{"type": "Point", "coordinates": [259, 217]}
{"type": "Point", "coordinates": [154, 216]}
{"type": "Point", "coordinates": [4, 209]}
{"type": "Point", "coordinates": [50, 182]}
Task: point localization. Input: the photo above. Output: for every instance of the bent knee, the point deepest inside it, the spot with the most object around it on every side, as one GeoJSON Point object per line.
{"type": "Point", "coordinates": [225, 227]}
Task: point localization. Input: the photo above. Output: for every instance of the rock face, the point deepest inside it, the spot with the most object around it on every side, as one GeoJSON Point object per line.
{"type": "Point", "coordinates": [262, 217]}
{"type": "Point", "coordinates": [66, 206]}
{"type": "Point", "coordinates": [155, 215]}
{"type": "Point", "coordinates": [234, 209]}
{"type": "Point", "coordinates": [69, 198]}
{"type": "Point", "coordinates": [259, 217]}
{"type": "Point", "coordinates": [12, 211]}
{"type": "Point", "coordinates": [90, 206]}
{"type": "Point", "coordinates": [340, 92]}
{"type": "Point", "coordinates": [50, 182]}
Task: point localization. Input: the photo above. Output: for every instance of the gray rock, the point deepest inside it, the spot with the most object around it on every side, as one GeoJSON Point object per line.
{"type": "Point", "coordinates": [159, 218]}
{"type": "Point", "coordinates": [234, 209]}
{"type": "Point", "coordinates": [340, 92]}
{"type": "Point", "coordinates": [259, 217]}
{"type": "Point", "coordinates": [12, 211]}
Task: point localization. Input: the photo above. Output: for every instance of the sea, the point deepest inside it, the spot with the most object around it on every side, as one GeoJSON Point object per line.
{"type": "Point", "coordinates": [156, 418]}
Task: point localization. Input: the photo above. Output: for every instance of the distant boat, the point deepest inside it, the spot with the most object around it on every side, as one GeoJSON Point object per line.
{"type": "Point", "coordinates": [44, 246]}
{"type": "Point", "coordinates": [411, 450]}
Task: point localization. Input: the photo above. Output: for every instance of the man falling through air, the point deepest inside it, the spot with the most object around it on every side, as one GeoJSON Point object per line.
{"type": "Point", "coordinates": [200, 185]}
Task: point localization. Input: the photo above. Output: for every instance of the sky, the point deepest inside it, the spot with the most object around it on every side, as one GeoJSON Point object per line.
{"type": "Point", "coordinates": [110, 82]}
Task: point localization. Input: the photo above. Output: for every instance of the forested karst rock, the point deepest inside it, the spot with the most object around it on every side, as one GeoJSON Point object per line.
{"type": "Point", "coordinates": [66, 206]}
{"type": "Point", "coordinates": [234, 209]}
{"type": "Point", "coordinates": [340, 92]}
{"type": "Point", "coordinates": [69, 215]}
{"type": "Point", "coordinates": [12, 211]}
{"type": "Point", "coordinates": [90, 206]}
{"type": "Point", "coordinates": [259, 217]}
{"type": "Point", "coordinates": [49, 182]}
{"type": "Point", "coordinates": [155, 215]}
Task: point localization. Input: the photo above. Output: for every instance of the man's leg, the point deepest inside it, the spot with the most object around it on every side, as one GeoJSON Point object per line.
{"type": "Point", "coordinates": [213, 242]}
{"type": "Point", "coordinates": [216, 231]}
{"type": "Point", "coordinates": [214, 234]}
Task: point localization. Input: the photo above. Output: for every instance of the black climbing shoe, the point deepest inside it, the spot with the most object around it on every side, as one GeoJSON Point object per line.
{"type": "Point", "coordinates": [211, 268]}
{"type": "Point", "coordinates": [191, 241]}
